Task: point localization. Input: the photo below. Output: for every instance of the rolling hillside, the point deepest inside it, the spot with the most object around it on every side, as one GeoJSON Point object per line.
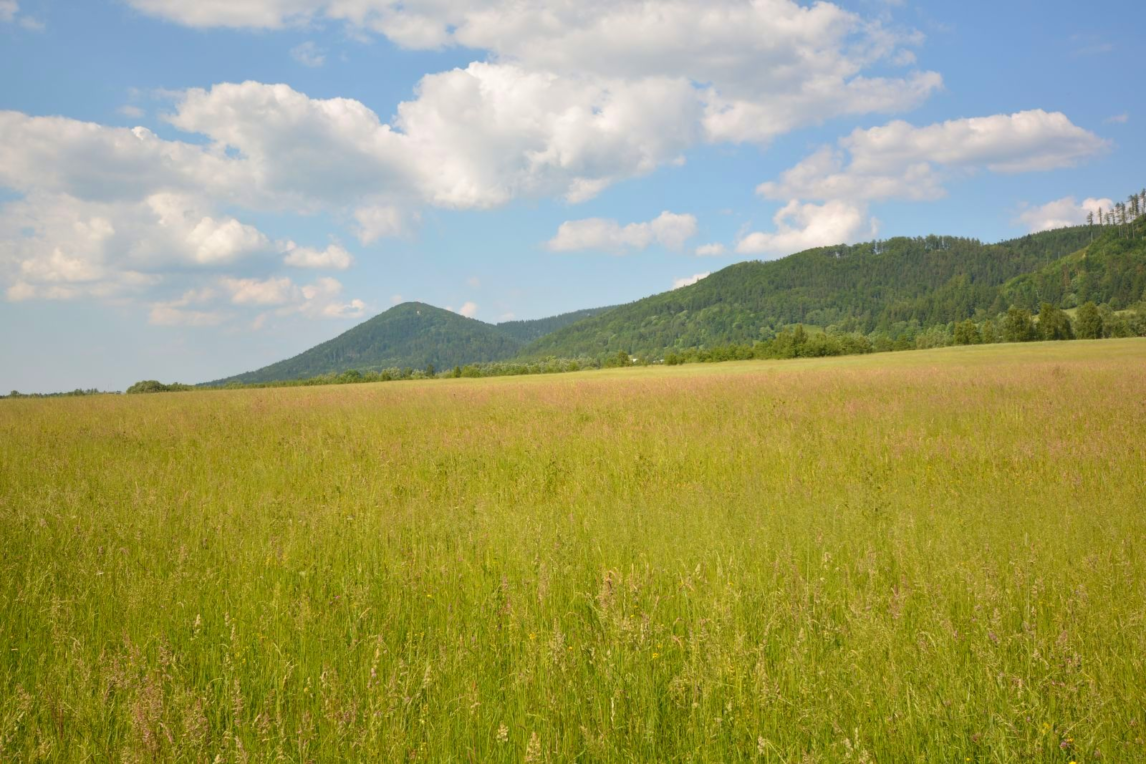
{"type": "Point", "coordinates": [530, 331]}
{"type": "Point", "coordinates": [1110, 270]}
{"type": "Point", "coordinates": [865, 287]}
{"type": "Point", "coordinates": [872, 287]}
{"type": "Point", "coordinates": [412, 334]}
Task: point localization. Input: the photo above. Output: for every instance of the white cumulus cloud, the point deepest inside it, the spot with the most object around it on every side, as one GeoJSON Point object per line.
{"type": "Point", "coordinates": [689, 280]}
{"type": "Point", "coordinates": [272, 291]}
{"type": "Point", "coordinates": [110, 249]}
{"type": "Point", "coordinates": [563, 100]}
{"type": "Point", "coordinates": [334, 257]}
{"type": "Point", "coordinates": [1062, 213]}
{"type": "Point", "coordinates": [901, 161]}
{"type": "Point", "coordinates": [764, 67]}
{"type": "Point", "coordinates": [669, 229]}
{"type": "Point", "coordinates": [803, 226]}
{"type": "Point", "coordinates": [320, 299]}
{"type": "Point", "coordinates": [255, 14]}
{"type": "Point", "coordinates": [710, 250]}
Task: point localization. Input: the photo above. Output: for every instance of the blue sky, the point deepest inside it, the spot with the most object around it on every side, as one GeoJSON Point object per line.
{"type": "Point", "coordinates": [192, 190]}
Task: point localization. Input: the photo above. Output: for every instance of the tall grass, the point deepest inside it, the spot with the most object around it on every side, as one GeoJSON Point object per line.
{"type": "Point", "coordinates": [932, 556]}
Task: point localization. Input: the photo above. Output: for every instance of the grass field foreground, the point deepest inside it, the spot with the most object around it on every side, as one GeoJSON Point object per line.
{"type": "Point", "coordinates": [929, 556]}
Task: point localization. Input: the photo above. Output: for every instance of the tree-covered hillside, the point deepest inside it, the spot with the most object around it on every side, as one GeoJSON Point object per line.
{"type": "Point", "coordinates": [1111, 270]}
{"type": "Point", "coordinates": [904, 292]}
{"type": "Point", "coordinates": [412, 334]}
{"type": "Point", "coordinates": [529, 331]}
{"type": "Point", "coordinates": [866, 287]}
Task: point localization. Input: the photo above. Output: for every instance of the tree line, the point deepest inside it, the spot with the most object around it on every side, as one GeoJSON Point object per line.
{"type": "Point", "coordinates": [1122, 215]}
{"type": "Point", "coordinates": [77, 393]}
{"type": "Point", "coordinates": [1017, 324]}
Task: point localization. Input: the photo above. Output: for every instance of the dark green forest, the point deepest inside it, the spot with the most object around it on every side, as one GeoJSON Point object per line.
{"type": "Point", "coordinates": [890, 287]}
{"type": "Point", "coordinates": [412, 334]}
{"type": "Point", "coordinates": [530, 331]}
{"type": "Point", "coordinates": [903, 293]}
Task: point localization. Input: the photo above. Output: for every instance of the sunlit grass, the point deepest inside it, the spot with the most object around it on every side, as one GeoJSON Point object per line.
{"type": "Point", "coordinates": [928, 556]}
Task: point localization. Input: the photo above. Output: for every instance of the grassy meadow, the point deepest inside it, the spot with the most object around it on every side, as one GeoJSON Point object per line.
{"type": "Point", "coordinates": [936, 556]}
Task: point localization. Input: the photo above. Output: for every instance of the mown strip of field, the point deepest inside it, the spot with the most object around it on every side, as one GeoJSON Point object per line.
{"type": "Point", "coordinates": [930, 556]}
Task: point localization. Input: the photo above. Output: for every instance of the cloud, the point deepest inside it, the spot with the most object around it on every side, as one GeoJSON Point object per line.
{"type": "Point", "coordinates": [474, 138]}
{"type": "Point", "coordinates": [57, 246]}
{"type": "Point", "coordinates": [710, 250]}
{"type": "Point", "coordinates": [563, 101]}
{"type": "Point", "coordinates": [308, 54]}
{"type": "Point", "coordinates": [272, 291]}
{"type": "Point", "coordinates": [1117, 119]}
{"type": "Point", "coordinates": [761, 68]}
{"type": "Point", "coordinates": [1062, 213]}
{"type": "Point", "coordinates": [901, 161]}
{"type": "Point", "coordinates": [320, 299]}
{"type": "Point", "coordinates": [490, 133]}
{"type": "Point", "coordinates": [689, 280]}
{"type": "Point", "coordinates": [183, 225]}
{"type": "Point", "coordinates": [468, 309]}
{"type": "Point", "coordinates": [106, 164]}
{"type": "Point", "coordinates": [253, 14]}
{"type": "Point", "coordinates": [334, 257]}
{"type": "Point", "coordinates": [669, 229]}
{"type": "Point", "coordinates": [8, 10]}
{"type": "Point", "coordinates": [176, 312]}
{"type": "Point", "coordinates": [803, 226]}
{"type": "Point", "coordinates": [378, 222]}
{"type": "Point", "coordinates": [165, 315]}
{"type": "Point", "coordinates": [133, 112]}
{"type": "Point", "coordinates": [764, 119]}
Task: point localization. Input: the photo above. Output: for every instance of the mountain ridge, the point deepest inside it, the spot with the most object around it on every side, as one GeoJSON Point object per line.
{"type": "Point", "coordinates": [873, 286]}
{"type": "Point", "coordinates": [896, 288]}
{"type": "Point", "coordinates": [411, 335]}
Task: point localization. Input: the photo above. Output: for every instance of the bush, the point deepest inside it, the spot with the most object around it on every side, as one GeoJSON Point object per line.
{"type": "Point", "coordinates": [154, 386]}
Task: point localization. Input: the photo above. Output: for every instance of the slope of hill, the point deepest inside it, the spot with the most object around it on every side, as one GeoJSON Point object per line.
{"type": "Point", "coordinates": [873, 287]}
{"type": "Point", "coordinates": [865, 287]}
{"type": "Point", "coordinates": [1110, 270]}
{"type": "Point", "coordinates": [529, 331]}
{"type": "Point", "coordinates": [412, 334]}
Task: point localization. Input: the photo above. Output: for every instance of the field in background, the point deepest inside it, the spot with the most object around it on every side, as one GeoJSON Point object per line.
{"type": "Point", "coordinates": [928, 556]}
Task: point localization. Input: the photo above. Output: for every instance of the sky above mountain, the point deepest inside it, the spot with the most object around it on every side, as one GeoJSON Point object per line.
{"type": "Point", "coordinates": [193, 189]}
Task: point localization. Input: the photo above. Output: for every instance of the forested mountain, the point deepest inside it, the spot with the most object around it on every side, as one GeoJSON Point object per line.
{"type": "Point", "coordinates": [875, 286]}
{"type": "Point", "coordinates": [1111, 270]}
{"type": "Point", "coordinates": [529, 331]}
{"type": "Point", "coordinates": [412, 334]}
{"type": "Point", "coordinates": [895, 290]}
